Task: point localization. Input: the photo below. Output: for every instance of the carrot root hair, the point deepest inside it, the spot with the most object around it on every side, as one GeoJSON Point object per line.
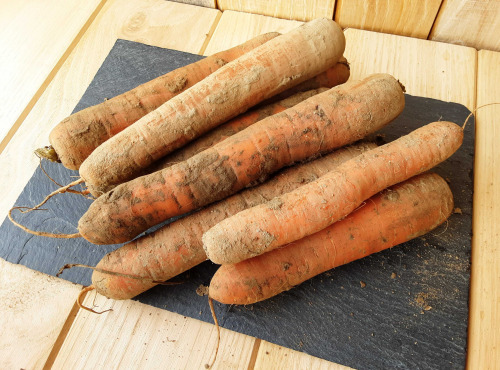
{"type": "Point", "coordinates": [216, 322]}
{"type": "Point", "coordinates": [80, 297]}
{"type": "Point", "coordinates": [474, 112]}
{"type": "Point", "coordinates": [115, 273]}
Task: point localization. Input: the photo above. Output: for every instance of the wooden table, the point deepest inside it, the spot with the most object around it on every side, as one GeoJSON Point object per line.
{"type": "Point", "coordinates": [45, 72]}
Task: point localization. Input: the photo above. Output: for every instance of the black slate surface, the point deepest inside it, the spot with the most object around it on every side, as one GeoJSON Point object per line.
{"type": "Point", "coordinates": [415, 320]}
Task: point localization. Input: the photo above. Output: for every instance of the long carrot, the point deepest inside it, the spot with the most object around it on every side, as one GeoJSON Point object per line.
{"type": "Point", "coordinates": [267, 70]}
{"type": "Point", "coordinates": [177, 247]}
{"type": "Point", "coordinates": [320, 124]}
{"type": "Point", "coordinates": [230, 128]}
{"type": "Point", "coordinates": [74, 138]}
{"type": "Point", "coordinates": [392, 217]}
{"type": "Point", "coordinates": [319, 204]}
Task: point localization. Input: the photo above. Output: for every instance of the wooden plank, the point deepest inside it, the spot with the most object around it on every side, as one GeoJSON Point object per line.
{"type": "Point", "coordinates": [235, 28]}
{"type": "Point", "coordinates": [469, 22]}
{"type": "Point", "coordinates": [33, 45]}
{"type": "Point", "coordinates": [33, 310]}
{"type": "Point", "coordinates": [138, 336]}
{"type": "Point", "coordinates": [431, 69]}
{"type": "Point", "coordinates": [484, 334]}
{"type": "Point", "coordinates": [304, 10]}
{"type": "Point", "coordinates": [401, 17]}
{"type": "Point", "coordinates": [271, 356]}
{"type": "Point", "coordinates": [155, 22]}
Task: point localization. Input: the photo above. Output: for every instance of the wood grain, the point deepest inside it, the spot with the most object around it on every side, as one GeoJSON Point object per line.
{"type": "Point", "coordinates": [304, 10]}
{"type": "Point", "coordinates": [484, 334]}
{"type": "Point", "coordinates": [401, 17]}
{"type": "Point", "coordinates": [235, 28]}
{"type": "Point", "coordinates": [205, 3]}
{"type": "Point", "coordinates": [154, 22]}
{"type": "Point", "coordinates": [137, 336]}
{"type": "Point", "coordinates": [33, 44]}
{"type": "Point", "coordinates": [469, 22]}
{"type": "Point", "coordinates": [271, 356]}
{"type": "Point", "coordinates": [431, 69]}
{"type": "Point", "coordinates": [33, 310]}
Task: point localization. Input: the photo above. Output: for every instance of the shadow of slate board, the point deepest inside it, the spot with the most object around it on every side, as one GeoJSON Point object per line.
{"type": "Point", "coordinates": [412, 313]}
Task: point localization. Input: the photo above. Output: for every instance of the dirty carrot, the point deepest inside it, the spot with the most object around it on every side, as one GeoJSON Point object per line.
{"type": "Point", "coordinates": [322, 123]}
{"type": "Point", "coordinates": [74, 138]}
{"type": "Point", "coordinates": [230, 128]}
{"type": "Point", "coordinates": [267, 70]}
{"type": "Point", "coordinates": [394, 216]}
{"type": "Point", "coordinates": [317, 205]}
{"type": "Point", "coordinates": [177, 247]}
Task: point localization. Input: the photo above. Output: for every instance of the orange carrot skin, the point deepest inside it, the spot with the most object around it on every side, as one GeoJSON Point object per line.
{"type": "Point", "coordinates": [78, 135]}
{"type": "Point", "coordinates": [177, 247]}
{"type": "Point", "coordinates": [267, 70]}
{"type": "Point", "coordinates": [396, 215]}
{"type": "Point", "coordinates": [332, 197]}
{"type": "Point", "coordinates": [230, 128]}
{"type": "Point", "coordinates": [320, 124]}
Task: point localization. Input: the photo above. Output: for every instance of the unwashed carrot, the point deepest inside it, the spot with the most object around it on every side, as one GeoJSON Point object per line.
{"type": "Point", "coordinates": [230, 128]}
{"type": "Point", "coordinates": [74, 138]}
{"type": "Point", "coordinates": [317, 205]}
{"type": "Point", "coordinates": [322, 123]}
{"type": "Point", "coordinates": [392, 217]}
{"type": "Point", "coordinates": [267, 70]}
{"type": "Point", "coordinates": [177, 247]}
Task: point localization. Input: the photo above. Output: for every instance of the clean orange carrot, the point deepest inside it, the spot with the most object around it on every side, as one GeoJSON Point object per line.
{"type": "Point", "coordinates": [267, 70]}
{"type": "Point", "coordinates": [230, 128]}
{"type": "Point", "coordinates": [317, 205]}
{"type": "Point", "coordinates": [337, 117]}
{"type": "Point", "coordinates": [177, 247]}
{"type": "Point", "coordinates": [392, 217]}
{"type": "Point", "coordinates": [74, 138]}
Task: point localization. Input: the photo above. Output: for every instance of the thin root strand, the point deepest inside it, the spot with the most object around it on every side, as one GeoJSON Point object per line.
{"type": "Point", "coordinates": [216, 322]}
{"type": "Point", "coordinates": [40, 233]}
{"type": "Point", "coordinates": [80, 297]}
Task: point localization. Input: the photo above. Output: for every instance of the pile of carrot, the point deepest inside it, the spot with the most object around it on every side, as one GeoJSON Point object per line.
{"type": "Point", "coordinates": [210, 138]}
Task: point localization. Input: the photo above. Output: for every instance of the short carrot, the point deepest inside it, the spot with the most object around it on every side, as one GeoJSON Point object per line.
{"type": "Point", "coordinates": [322, 123]}
{"type": "Point", "coordinates": [317, 205]}
{"type": "Point", "coordinates": [177, 247]}
{"type": "Point", "coordinates": [392, 217]}
{"type": "Point", "coordinates": [74, 138]}
{"type": "Point", "coordinates": [230, 128]}
{"type": "Point", "coordinates": [267, 70]}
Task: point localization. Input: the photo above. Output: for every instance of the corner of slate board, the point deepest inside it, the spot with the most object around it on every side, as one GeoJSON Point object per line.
{"type": "Point", "coordinates": [412, 313]}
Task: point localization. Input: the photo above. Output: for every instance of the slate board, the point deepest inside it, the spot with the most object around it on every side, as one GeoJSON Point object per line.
{"type": "Point", "coordinates": [383, 325]}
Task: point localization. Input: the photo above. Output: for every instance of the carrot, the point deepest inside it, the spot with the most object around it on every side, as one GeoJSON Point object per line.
{"type": "Point", "coordinates": [74, 138]}
{"type": "Point", "coordinates": [326, 121]}
{"type": "Point", "coordinates": [230, 128]}
{"type": "Point", "coordinates": [177, 247]}
{"type": "Point", "coordinates": [267, 70]}
{"type": "Point", "coordinates": [319, 204]}
{"type": "Point", "coordinates": [392, 217]}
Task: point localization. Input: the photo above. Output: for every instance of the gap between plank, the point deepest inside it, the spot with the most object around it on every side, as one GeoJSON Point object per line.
{"type": "Point", "coordinates": [49, 77]}
{"type": "Point", "coordinates": [210, 33]}
{"type": "Point", "coordinates": [255, 352]}
{"type": "Point", "coordinates": [62, 335]}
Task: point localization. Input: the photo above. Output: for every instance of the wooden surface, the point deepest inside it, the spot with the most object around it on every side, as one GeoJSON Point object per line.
{"type": "Point", "coordinates": [469, 22]}
{"type": "Point", "coordinates": [484, 327]}
{"type": "Point", "coordinates": [135, 335]}
{"type": "Point", "coordinates": [303, 10]}
{"type": "Point", "coordinates": [401, 17]}
{"type": "Point", "coordinates": [34, 308]}
{"type": "Point", "coordinates": [39, 46]}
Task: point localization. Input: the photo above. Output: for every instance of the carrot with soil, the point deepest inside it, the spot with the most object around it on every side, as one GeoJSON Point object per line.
{"type": "Point", "coordinates": [319, 204]}
{"type": "Point", "coordinates": [230, 128]}
{"type": "Point", "coordinates": [392, 217]}
{"type": "Point", "coordinates": [320, 124]}
{"type": "Point", "coordinates": [267, 70]}
{"type": "Point", "coordinates": [74, 138]}
{"type": "Point", "coordinates": [177, 247]}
